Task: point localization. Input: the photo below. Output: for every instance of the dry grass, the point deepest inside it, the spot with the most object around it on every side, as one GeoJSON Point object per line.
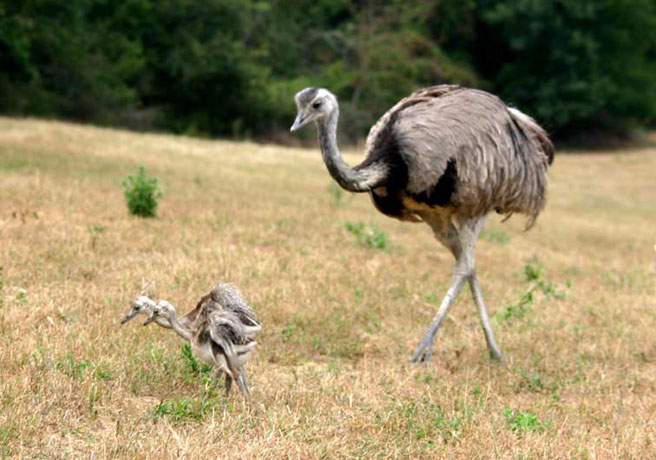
{"type": "Point", "coordinates": [331, 378]}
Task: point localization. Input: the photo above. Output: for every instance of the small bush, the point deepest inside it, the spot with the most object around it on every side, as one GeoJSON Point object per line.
{"type": "Point", "coordinates": [142, 194]}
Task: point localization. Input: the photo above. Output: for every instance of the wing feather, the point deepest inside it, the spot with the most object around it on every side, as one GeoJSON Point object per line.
{"type": "Point", "coordinates": [497, 158]}
{"type": "Point", "coordinates": [423, 95]}
{"type": "Point", "coordinates": [227, 331]}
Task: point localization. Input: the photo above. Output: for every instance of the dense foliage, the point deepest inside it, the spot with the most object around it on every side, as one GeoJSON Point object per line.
{"type": "Point", "coordinates": [231, 67]}
{"type": "Point", "coordinates": [142, 194]}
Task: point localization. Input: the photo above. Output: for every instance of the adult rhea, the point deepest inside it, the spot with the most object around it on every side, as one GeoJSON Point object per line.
{"type": "Point", "coordinates": [447, 156]}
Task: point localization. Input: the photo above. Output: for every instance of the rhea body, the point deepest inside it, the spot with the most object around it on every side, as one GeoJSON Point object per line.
{"type": "Point", "coordinates": [213, 342]}
{"type": "Point", "coordinates": [447, 156]}
{"type": "Point", "coordinates": [220, 330]}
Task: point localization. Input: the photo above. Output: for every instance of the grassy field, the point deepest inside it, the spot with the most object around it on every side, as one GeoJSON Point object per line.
{"type": "Point", "coordinates": [573, 302]}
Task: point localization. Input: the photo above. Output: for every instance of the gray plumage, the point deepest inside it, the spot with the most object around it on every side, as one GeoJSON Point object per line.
{"type": "Point", "coordinates": [447, 156]}
{"type": "Point", "coordinates": [501, 155]}
{"type": "Point", "coordinates": [229, 320]}
{"type": "Point", "coordinates": [226, 297]}
{"type": "Point", "coordinates": [221, 330]}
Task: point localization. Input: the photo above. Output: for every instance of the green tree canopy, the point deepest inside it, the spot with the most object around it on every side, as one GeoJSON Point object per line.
{"type": "Point", "coordinates": [571, 62]}
{"type": "Point", "coordinates": [231, 67]}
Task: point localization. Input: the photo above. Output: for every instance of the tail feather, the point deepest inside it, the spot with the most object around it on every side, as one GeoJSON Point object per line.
{"type": "Point", "coordinates": [532, 129]}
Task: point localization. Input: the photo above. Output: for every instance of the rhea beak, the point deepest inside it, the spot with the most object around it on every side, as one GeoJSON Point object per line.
{"type": "Point", "coordinates": [150, 319]}
{"type": "Point", "coordinates": [129, 316]}
{"type": "Point", "coordinates": [301, 120]}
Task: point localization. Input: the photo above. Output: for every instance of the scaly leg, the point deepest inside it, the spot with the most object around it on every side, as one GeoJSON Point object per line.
{"type": "Point", "coordinates": [243, 384]}
{"type": "Point", "coordinates": [424, 351]}
{"type": "Point", "coordinates": [217, 376]}
{"type": "Point", "coordinates": [460, 239]}
{"type": "Point", "coordinates": [227, 380]}
{"type": "Point", "coordinates": [228, 384]}
{"type": "Point", "coordinates": [485, 320]}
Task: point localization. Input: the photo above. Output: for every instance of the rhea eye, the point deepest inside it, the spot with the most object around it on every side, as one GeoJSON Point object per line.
{"type": "Point", "coordinates": [316, 104]}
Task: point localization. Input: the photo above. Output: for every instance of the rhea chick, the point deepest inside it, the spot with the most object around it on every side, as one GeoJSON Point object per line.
{"type": "Point", "coordinates": [218, 339]}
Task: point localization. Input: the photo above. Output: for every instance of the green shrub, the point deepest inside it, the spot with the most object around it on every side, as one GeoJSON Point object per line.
{"type": "Point", "coordinates": [142, 194]}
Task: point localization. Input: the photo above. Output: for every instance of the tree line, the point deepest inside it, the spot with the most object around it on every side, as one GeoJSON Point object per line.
{"type": "Point", "coordinates": [231, 67]}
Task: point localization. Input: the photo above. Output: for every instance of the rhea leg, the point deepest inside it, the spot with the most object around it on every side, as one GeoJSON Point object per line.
{"type": "Point", "coordinates": [461, 240]}
{"type": "Point", "coordinates": [243, 384]}
{"type": "Point", "coordinates": [238, 374]}
{"type": "Point", "coordinates": [485, 320]}
{"type": "Point", "coordinates": [217, 376]}
{"type": "Point", "coordinates": [228, 384]}
{"type": "Point", "coordinates": [424, 351]}
{"type": "Point", "coordinates": [449, 235]}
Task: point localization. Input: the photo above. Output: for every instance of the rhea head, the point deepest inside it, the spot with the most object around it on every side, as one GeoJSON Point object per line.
{"type": "Point", "coordinates": [163, 309]}
{"type": "Point", "coordinates": [313, 104]}
{"type": "Point", "coordinates": [141, 306]}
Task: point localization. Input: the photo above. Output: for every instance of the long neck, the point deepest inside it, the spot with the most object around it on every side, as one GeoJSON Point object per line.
{"type": "Point", "coordinates": [177, 327]}
{"type": "Point", "coordinates": [351, 179]}
{"type": "Point", "coordinates": [163, 322]}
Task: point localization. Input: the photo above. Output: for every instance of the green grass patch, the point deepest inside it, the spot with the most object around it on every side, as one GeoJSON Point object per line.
{"type": "Point", "coordinates": [522, 422]}
{"type": "Point", "coordinates": [368, 236]}
{"type": "Point", "coordinates": [532, 273]}
{"type": "Point", "coordinates": [76, 369]}
{"type": "Point", "coordinates": [192, 366]}
{"type": "Point", "coordinates": [177, 409]}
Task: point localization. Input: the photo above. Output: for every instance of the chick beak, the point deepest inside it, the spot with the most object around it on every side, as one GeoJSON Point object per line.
{"type": "Point", "coordinates": [150, 319]}
{"type": "Point", "coordinates": [128, 317]}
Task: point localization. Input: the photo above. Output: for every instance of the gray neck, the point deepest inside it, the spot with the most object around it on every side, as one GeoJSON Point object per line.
{"type": "Point", "coordinates": [163, 322]}
{"type": "Point", "coordinates": [177, 327]}
{"type": "Point", "coordinates": [348, 178]}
